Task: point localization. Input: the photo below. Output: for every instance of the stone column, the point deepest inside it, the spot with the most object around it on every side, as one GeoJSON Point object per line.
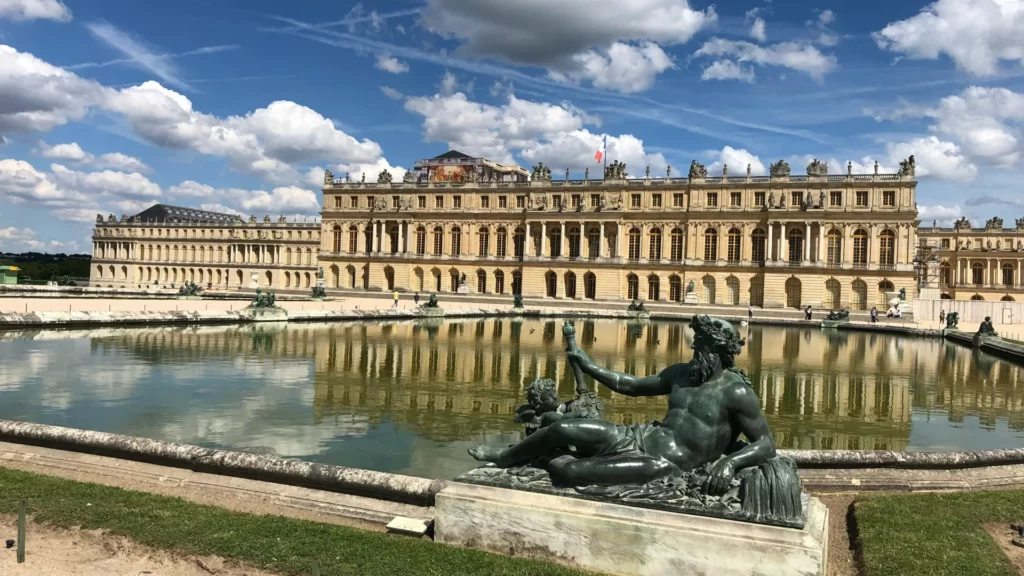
{"type": "Point", "coordinates": [600, 243]}
{"type": "Point", "coordinates": [562, 247]}
{"type": "Point", "coordinates": [784, 245]}
{"type": "Point", "coordinates": [770, 247]}
{"type": "Point", "coordinates": [822, 247]}
{"type": "Point", "coordinates": [543, 240]}
{"type": "Point", "coordinates": [526, 243]}
{"type": "Point", "coordinates": [807, 242]}
{"type": "Point", "coordinates": [401, 238]}
{"type": "Point", "coordinates": [618, 241]}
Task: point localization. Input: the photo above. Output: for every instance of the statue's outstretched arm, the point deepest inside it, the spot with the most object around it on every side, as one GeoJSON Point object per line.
{"type": "Point", "coordinates": [628, 384]}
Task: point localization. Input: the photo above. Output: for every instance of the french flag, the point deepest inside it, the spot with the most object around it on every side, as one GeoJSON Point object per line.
{"type": "Point", "coordinates": [601, 151]}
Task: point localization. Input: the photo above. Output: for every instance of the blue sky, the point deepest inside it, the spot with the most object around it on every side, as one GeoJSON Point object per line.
{"type": "Point", "coordinates": [112, 105]}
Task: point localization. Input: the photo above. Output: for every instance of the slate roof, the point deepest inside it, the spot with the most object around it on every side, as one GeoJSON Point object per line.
{"type": "Point", "coordinates": [168, 213]}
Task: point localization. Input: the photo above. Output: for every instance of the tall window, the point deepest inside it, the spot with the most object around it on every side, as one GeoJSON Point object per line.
{"type": "Point", "coordinates": [456, 241]}
{"type": "Point", "coordinates": [634, 200]}
{"type": "Point", "coordinates": [653, 287]}
{"type": "Point", "coordinates": [499, 282]}
{"type": "Point", "coordinates": [835, 248]}
{"type": "Point", "coordinates": [945, 274]}
{"type": "Point", "coordinates": [978, 273]}
{"type": "Point", "coordinates": [632, 287]}
{"type": "Point", "coordinates": [835, 198]}
{"type": "Point", "coordinates": [712, 199]}
{"type": "Point", "coordinates": [675, 288]}
{"type": "Point", "coordinates": [485, 241]}
{"type": "Point", "coordinates": [574, 243]}
{"type": "Point", "coordinates": [421, 240]}
{"type": "Point", "coordinates": [734, 245]}
{"type": "Point", "coordinates": [711, 244]}
{"type": "Point", "coordinates": [759, 199]}
{"type": "Point", "coordinates": [735, 199]}
{"type": "Point", "coordinates": [438, 201]}
{"type": "Point", "coordinates": [758, 242]}
{"type": "Point", "coordinates": [502, 243]}
{"type": "Point", "coordinates": [438, 240]}
{"type": "Point", "coordinates": [336, 239]}
{"type": "Point", "coordinates": [593, 243]}
{"type": "Point", "coordinates": [1007, 274]}
{"type": "Point", "coordinates": [887, 249]}
{"type": "Point", "coordinates": [556, 242]}
{"type": "Point", "coordinates": [634, 244]}
{"type": "Point", "coordinates": [677, 245]}
{"type": "Point", "coordinates": [796, 246]}
{"type": "Point", "coordinates": [860, 248]}
{"type": "Point", "coordinates": [888, 198]}
{"type": "Point", "coordinates": [862, 198]}
{"type": "Point", "coordinates": [518, 243]}
{"type": "Point", "coordinates": [517, 282]}
{"type": "Point", "coordinates": [655, 249]}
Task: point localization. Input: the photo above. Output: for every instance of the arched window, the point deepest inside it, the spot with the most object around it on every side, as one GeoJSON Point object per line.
{"type": "Point", "coordinates": [834, 254]}
{"type": "Point", "coordinates": [438, 240]}
{"type": "Point", "coordinates": [484, 239]}
{"type": "Point", "coordinates": [794, 292]}
{"type": "Point", "coordinates": [288, 256]}
{"type": "Point", "coordinates": [593, 243]}
{"type": "Point", "coordinates": [676, 250]}
{"type": "Point", "coordinates": [574, 244]}
{"type": "Point", "coordinates": [570, 283]}
{"type": "Point", "coordinates": [653, 287]}
{"type": "Point", "coordinates": [1008, 273]}
{"type": "Point", "coordinates": [887, 250]}
{"type": "Point", "coordinates": [710, 244]}
{"type": "Point", "coordinates": [499, 282]}
{"type": "Point", "coordinates": [735, 236]}
{"type": "Point", "coordinates": [708, 293]}
{"type": "Point", "coordinates": [732, 290]}
{"type": "Point", "coordinates": [309, 256]}
{"type": "Point", "coordinates": [481, 282]}
{"type": "Point", "coordinates": [456, 241]}
{"type": "Point", "coordinates": [860, 249]}
{"type": "Point", "coordinates": [632, 287]}
{"type": "Point", "coordinates": [634, 243]}
{"type": "Point", "coordinates": [590, 286]}
{"type": "Point", "coordinates": [551, 282]}
{"type": "Point", "coordinates": [518, 242]}
{"type": "Point", "coordinates": [758, 246]}
{"type": "Point", "coordinates": [353, 239]}
{"type": "Point", "coordinates": [832, 293]}
{"type": "Point", "coordinates": [977, 273]}
{"type": "Point", "coordinates": [421, 240]}
{"type": "Point", "coordinates": [796, 246]}
{"type": "Point", "coordinates": [977, 297]}
{"type": "Point", "coordinates": [393, 238]}
{"type": "Point", "coordinates": [335, 240]}
{"type": "Point", "coordinates": [655, 250]}
{"type": "Point", "coordinates": [501, 239]}
{"type": "Point", "coordinates": [675, 288]}
{"type": "Point", "coordinates": [517, 282]}
{"type": "Point", "coordinates": [192, 253]}
{"type": "Point", "coordinates": [1006, 298]}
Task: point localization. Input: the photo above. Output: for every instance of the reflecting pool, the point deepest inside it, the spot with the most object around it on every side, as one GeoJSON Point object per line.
{"type": "Point", "coordinates": [410, 397]}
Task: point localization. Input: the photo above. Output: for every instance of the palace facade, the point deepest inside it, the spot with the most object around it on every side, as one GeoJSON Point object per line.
{"type": "Point", "coordinates": [777, 241]}
{"type": "Point", "coordinates": [165, 246]}
{"type": "Point", "coordinates": [984, 263]}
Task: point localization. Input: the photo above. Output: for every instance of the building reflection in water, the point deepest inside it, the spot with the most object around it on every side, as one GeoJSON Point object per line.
{"type": "Point", "coordinates": [449, 383]}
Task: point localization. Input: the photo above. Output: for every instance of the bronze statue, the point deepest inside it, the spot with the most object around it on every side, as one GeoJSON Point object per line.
{"type": "Point", "coordinates": [986, 328]}
{"type": "Point", "coordinates": [635, 306]}
{"type": "Point", "coordinates": [319, 292]}
{"type": "Point", "coordinates": [952, 320]}
{"type": "Point", "coordinates": [517, 300]}
{"type": "Point", "coordinates": [694, 458]}
{"type": "Point", "coordinates": [431, 302]}
{"type": "Point", "coordinates": [263, 300]}
{"type": "Point", "coordinates": [189, 288]}
{"type": "Point", "coordinates": [838, 315]}
{"type": "Point", "coordinates": [689, 287]}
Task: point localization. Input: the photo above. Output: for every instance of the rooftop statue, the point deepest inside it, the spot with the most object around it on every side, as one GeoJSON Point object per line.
{"type": "Point", "coordinates": [384, 177]}
{"type": "Point", "coordinates": [962, 224]}
{"type": "Point", "coordinates": [780, 168]}
{"type": "Point", "coordinates": [1019, 223]}
{"type": "Point", "coordinates": [907, 167]}
{"type": "Point", "coordinates": [410, 177]}
{"type": "Point", "coordinates": [541, 172]}
{"type": "Point", "coordinates": [693, 461]}
{"type": "Point", "coordinates": [615, 171]}
{"type": "Point", "coordinates": [995, 223]}
{"type": "Point", "coordinates": [817, 168]}
{"type": "Point", "coordinates": [328, 178]}
{"type": "Point", "coordinates": [697, 170]}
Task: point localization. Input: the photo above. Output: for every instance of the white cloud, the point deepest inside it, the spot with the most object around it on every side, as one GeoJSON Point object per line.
{"type": "Point", "coordinates": [826, 37]}
{"type": "Point", "coordinates": [20, 181]}
{"type": "Point", "coordinates": [559, 36]}
{"type": "Point", "coordinates": [280, 200]}
{"type": "Point", "coordinates": [19, 10]}
{"type": "Point", "coordinates": [622, 67]}
{"type": "Point", "coordinates": [944, 215]}
{"type": "Point", "coordinates": [492, 131]}
{"type": "Point", "coordinates": [757, 26]}
{"type": "Point", "coordinates": [449, 84]}
{"type": "Point", "coordinates": [391, 93]}
{"type": "Point", "coordinates": [72, 152]}
{"type": "Point", "coordinates": [121, 184]}
{"type": "Point", "coordinates": [727, 70]}
{"type": "Point", "coordinates": [793, 55]}
{"type": "Point", "coordinates": [975, 34]}
{"type": "Point", "coordinates": [575, 150]}
{"type": "Point", "coordinates": [934, 157]}
{"type": "Point", "coordinates": [391, 64]}
{"type": "Point", "coordinates": [372, 170]}
{"type": "Point", "coordinates": [737, 161]}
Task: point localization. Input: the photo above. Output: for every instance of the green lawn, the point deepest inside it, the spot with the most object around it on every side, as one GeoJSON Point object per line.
{"type": "Point", "coordinates": [935, 534]}
{"type": "Point", "coordinates": [273, 543]}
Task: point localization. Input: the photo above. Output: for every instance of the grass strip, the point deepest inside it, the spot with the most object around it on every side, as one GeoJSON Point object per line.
{"type": "Point", "coordinates": [273, 543]}
{"type": "Point", "coordinates": [935, 534]}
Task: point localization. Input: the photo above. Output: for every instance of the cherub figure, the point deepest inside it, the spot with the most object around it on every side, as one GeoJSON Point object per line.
{"type": "Point", "coordinates": [543, 406]}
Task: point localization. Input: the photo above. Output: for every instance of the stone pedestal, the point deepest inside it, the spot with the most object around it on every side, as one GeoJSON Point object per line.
{"type": "Point", "coordinates": [690, 298]}
{"type": "Point", "coordinates": [267, 314]}
{"type": "Point", "coordinates": [833, 324]}
{"type": "Point", "coordinates": [254, 281]}
{"type": "Point", "coordinates": [190, 297]}
{"type": "Point", "coordinates": [626, 540]}
{"type": "Point", "coordinates": [432, 312]}
{"type": "Point", "coordinates": [638, 315]}
{"type": "Point", "coordinates": [462, 289]}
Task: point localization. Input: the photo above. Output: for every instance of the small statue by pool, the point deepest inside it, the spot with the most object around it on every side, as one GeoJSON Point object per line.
{"type": "Point", "coordinates": [952, 320]}
{"type": "Point", "coordinates": [689, 287]}
{"type": "Point", "coordinates": [319, 292]}
{"type": "Point", "coordinates": [903, 294]}
{"type": "Point", "coordinates": [431, 302]}
{"type": "Point", "coordinates": [693, 460]}
{"type": "Point", "coordinates": [986, 328]}
{"type": "Point", "coordinates": [517, 300]}
{"type": "Point", "coordinates": [838, 315]}
{"type": "Point", "coordinates": [189, 289]}
{"type": "Point", "coordinates": [264, 300]}
{"type": "Point", "coordinates": [635, 306]}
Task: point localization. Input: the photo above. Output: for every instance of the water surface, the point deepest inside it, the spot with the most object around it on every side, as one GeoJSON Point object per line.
{"type": "Point", "coordinates": [410, 398]}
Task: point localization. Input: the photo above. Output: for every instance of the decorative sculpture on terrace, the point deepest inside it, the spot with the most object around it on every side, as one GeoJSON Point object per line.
{"type": "Point", "coordinates": [995, 223]}
{"type": "Point", "coordinates": [907, 167]}
{"type": "Point", "coordinates": [817, 168]}
{"type": "Point", "coordinates": [328, 178]}
{"type": "Point", "coordinates": [410, 177]}
{"type": "Point", "coordinates": [986, 328]}
{"type": "Point", "coordinates": [517, 300]}
{"type": "Point", "coordinates": [697, 170]}
{"type": "Point", "coordinates": [263, 300]}
{"type": "Point", "coordinates": [615, 171]}
{"type": "Point", "coordinates": [689, 287]}
{"type": "Point", "coordinates": [692, 461]}
{"type": "Point", "coordinates": [541, 172]}
{"type": "Point", "coordinates": [838, 315]}
{"type": "Point", "coordinates": [431, 302]}
{"type": "Point", "coordinates": [1019, 223]}
{"type": "Point", "coordinates": [189, 288]}
{"type": "Point", "coordinates": [962, 224]}
{"type": "Point", "coordinates": [952, 320]}
{"type": "Point", "coordinates": [636, 306]}
{"type": "Point", "coordinates": [319, 292]}
{"type": "Point", "coordinates": [780, 168]}
{"type": "Point", "coordinates": [384, 177]}
{"type": "Point", "coordinates": [903, 294]}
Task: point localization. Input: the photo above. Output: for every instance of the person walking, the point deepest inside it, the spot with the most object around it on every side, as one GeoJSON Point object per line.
{"type": "Point", "coordinates": [874, 315]}
{"type": "Point", "coordinates": [942, 316]}
{"type": "Point", "coordinates": [396, 299]}
{"type": "Point", "coordinates": [750, 312]}
{"type": "Point", "coordinates": [416, 298]}
{"type": "Point", "coordinates": [807, 313]}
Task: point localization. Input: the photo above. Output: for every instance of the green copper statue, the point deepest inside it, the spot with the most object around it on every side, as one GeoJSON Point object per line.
{"type": "Point", "coordinates": [696, 450]}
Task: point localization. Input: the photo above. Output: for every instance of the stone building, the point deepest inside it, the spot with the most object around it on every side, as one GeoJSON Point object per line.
{"type": "Point", "coordinates": [983, 263]}
{"type": "Point", "coordinates": [777, 241]}
{"type": "Point", "coordinates": [164, 246]}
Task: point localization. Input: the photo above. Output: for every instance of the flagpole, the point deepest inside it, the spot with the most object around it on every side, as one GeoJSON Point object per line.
{"type": "Point", "coordinates": [604, 141]}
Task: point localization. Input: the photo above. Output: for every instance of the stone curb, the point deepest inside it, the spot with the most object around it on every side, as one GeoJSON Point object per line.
{"type": "Point", "coordinates": [852, 459]}
{"type": "Point", "coordinates": [392, 487]}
